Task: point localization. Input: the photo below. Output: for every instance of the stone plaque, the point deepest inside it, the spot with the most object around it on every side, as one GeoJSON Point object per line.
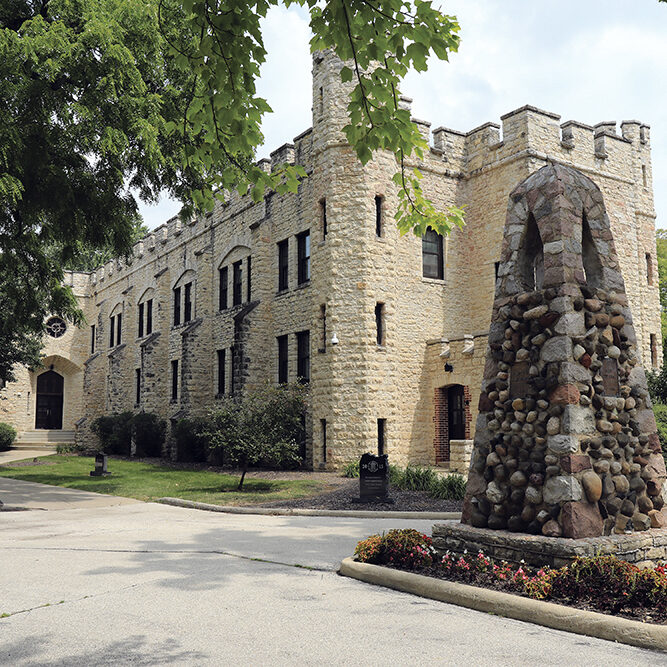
{"type": "Point", "coordinates": [609, 373]}
{"type": "Point", "coordinates": [373, 478]}
{"type": "Point", "coordinates": [520, 380]}
{"type": "Point", "coordinates": [100, 466]}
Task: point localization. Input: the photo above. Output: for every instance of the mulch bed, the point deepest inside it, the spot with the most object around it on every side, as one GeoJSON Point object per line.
{"type": "Point", "coordinates": [342, 499]}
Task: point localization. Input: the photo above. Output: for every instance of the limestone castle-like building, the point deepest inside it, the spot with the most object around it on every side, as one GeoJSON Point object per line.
{"type": "Point", "coordinates": [390, 331]}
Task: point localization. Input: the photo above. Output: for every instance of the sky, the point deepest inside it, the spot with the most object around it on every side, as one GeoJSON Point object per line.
{"type": "Point", "coordinates": [588, 60]}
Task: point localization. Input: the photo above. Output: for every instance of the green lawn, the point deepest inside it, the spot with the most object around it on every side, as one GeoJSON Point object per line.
{"type": "Point", "coordinates": [135, 479]}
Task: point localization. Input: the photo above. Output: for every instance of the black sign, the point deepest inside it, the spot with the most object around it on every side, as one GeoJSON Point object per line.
{"type": "Point", "coordinates": [100, 466]}
{"type": "Point", "coordinates": [374, 478]}
{"type": "Point", "coordinates": [520, 380]}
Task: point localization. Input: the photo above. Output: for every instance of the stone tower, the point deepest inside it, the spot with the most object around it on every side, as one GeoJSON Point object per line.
{"type": "Point", "coordinates": [566, 441]}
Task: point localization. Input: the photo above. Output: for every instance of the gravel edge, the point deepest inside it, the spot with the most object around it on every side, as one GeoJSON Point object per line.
{"type": "Point", "coordinates": [548, 614]}
{"type": "Point", "coordinates": [280, 511]}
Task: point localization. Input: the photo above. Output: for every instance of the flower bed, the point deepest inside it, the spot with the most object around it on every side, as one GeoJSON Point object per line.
{"type": "Point", "coordinates": [603, 583]}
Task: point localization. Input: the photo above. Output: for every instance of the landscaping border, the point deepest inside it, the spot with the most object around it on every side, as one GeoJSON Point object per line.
{"type": "Point", "coordinates": [282, 511]}
{"type": "Point", "coordinates": [548, 614]}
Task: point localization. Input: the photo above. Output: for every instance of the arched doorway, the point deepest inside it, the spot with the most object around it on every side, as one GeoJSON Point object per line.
{"type": "Point", "coordinates": [49, 409]}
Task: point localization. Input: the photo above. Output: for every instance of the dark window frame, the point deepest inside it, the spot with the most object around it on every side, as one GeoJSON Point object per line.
{"type": "Point", "coordinates": [137, 395]}
{"type": "Point", "coordinates": [174, 380]}
{"type": "Point", "coordinates": [283, 359]}
{"type": "Point", "coordinates": [431, 237]}
{"type": "Point", "coordinates": [177, 306]}
{"type": "Point", "coordinates": [187, 302]}
{"type": "Point", "coordinates": [140, 332]}
{"type": "Point", "coordinates": [379, 215]}
{"type": "Point", "coordinates": [149, 317]}
{"type": "Point", "coordinates": [248, 279]}
{"type": "Point", "coordinates": [119, 328]}
{"type": "Point", "coordinates": [112, 330]}
{"type": "Point", "coordinates": [223, 297]}
{"type": "Point", "coordinates": [323, 216]}
{"type": "Point", "coordinates": [283, 265]}
{"type": "Point", "coordinates": [92, 338]}
{"type": "Point", "coordinates": [379, 323]}
{"type": "Point", "coordinates": [303, 257]}
{"type": "Point", "coordinates": [303, 356]}
{"type": "Point", "coordinates": [382, 436]}
{"type": "Point", "coordinates": [237, 283]}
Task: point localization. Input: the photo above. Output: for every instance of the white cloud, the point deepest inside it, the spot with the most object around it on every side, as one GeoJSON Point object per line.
{"type": "Point", "coordinates": [588, 61]}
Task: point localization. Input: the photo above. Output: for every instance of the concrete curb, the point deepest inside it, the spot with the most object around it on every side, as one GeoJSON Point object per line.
{"type": "Point", "coordinates": [279, 511]}
{"type": "Point", "coordinates": [548, 614]}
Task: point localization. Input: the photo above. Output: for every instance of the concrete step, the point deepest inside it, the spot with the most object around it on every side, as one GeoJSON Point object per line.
{"type": "Point", "coordinates": [43, 440]}
{"type": "Point", "coordinates": [37, 446]}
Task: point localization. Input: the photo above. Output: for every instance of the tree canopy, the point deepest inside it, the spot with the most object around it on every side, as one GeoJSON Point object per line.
{"type": "Point", "coordinates": [102, 98]}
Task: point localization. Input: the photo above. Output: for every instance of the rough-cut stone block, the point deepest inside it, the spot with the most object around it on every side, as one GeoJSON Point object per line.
{"type": "Point", "coordinates": [562, 444]}
{"type": "Point", "coordinates": [580, 520]}
{"type": "Point", "coordinates": [561, 489]}
{"type": "Point", "coordinates": [573, 463]}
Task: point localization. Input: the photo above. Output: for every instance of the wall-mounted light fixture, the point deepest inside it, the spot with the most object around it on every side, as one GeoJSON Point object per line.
{"type": "Point", "coordinates": [449, 368]}
{"type": "Point", "coordinates": [334, 339]}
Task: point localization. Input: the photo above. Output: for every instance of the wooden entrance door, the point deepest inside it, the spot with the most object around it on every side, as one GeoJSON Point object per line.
{"type": "Point", "coordinates": [456, 413]}
{"type": "Point", "coordinates": [49, 412]}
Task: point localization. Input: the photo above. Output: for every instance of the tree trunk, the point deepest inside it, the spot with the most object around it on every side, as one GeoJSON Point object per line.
{"type": "Point", "coordinates": [240, 486]}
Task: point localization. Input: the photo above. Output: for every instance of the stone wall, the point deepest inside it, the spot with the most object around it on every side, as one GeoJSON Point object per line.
{"type": "Point", "coordinates": [357, 381]}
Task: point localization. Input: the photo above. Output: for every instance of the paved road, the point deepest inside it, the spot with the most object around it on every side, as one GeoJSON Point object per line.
{"type": "Point", "coordinates": [148, 584]}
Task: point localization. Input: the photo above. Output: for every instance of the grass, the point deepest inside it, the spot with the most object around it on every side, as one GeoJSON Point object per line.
{"type": "Point", "coordinates": [146, 481]}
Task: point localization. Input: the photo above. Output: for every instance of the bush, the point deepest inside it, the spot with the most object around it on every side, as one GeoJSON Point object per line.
{"type": "Point", "coordinates": [418, 478]}
{"type": "Point", "coordinates": [406, 548]}
{"type": "Point", "coordinates": [263, 427]}
{"type": "Point", "coordinates": [660, 412]}
{"type": "Point", "coordinates": [657, 384]}
{"type": "Point", "coordinates": [7, 436]}
{"type": "Point", "coordinates": [148, 430]}
{"type": "Point", "coordinates": [114, 432]}
{"type": "Point", "coordinates": [450, 487]}
{"type": "Point", "coordinates": [351, 469]}
{"type": "Point", "coordinates": [191, 443]}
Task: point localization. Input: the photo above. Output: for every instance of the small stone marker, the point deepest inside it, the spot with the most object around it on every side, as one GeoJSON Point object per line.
{"type": "Point", "coordinates": [609, 373]}
{"type": "Point", "coordinates": [374, 479]}
{"type": "Point", "coordinates": [100, 466]}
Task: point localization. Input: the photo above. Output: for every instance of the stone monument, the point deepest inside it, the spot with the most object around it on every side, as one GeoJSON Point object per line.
{"type": "Point", "coordinates": [566, 441]}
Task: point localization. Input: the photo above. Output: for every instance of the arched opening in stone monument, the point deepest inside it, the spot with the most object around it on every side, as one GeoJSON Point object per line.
{"type": "Point", "coordinates": [530, 261]}
{"type": "Point", "coordinates": [589, 256]}
{"type": "Point", "coordinates": [452, 418]}
{"type": "Point", "coordinates": [49, 409]}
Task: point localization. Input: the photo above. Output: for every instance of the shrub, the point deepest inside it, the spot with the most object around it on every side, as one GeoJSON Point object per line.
{"type": "Point", "coordinates": [262, 427]}
{"type": "Point", "coordinates": [148, 430]}
{"type": "Point", "coordinates": [114, 432]}
{"type": "Point", "coordinates": [7, 436]}
{"type": "Point", "coordinates": [418, 478]}
{"type": "Point", "coordinates": [191, 443]}
{"type": "Point", "coordinates": [657, 384]}
{"type": "Point", "coordinates": [660, 411]}
{"type": "Point", "coordinates": [406, 548]}
{"type": "Point", "coordinates": [449, 487]}
{"type": "Point", "coordinates": [351, 469]}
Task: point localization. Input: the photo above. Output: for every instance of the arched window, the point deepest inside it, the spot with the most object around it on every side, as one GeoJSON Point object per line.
{"type": "Point", "coordinates": [530, 263]}
{"type": "Point", "coordinates": [590, 256]}
{"type": "Point", "coordinates": [116, 325]}
{"type": "Point", "coordinates": [145, 309]}
{"type": "Point", "coordinates": [183, 295]}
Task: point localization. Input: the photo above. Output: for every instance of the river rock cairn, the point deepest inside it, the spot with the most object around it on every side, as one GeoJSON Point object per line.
{"type": "Point", "coordinates": [566, 441]}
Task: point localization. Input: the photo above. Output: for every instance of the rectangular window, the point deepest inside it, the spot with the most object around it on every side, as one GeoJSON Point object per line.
{"type": "Point", "coordinates": [378, 215]}
{"type": "Point", "coordinates": [92, 338]}
{"type": "Point", "coordinates": [248, 280]}
{"type": "Point", "coordinates": [303, 356]}
{"type": "Point", "coordinates": [323, 216]}
{"type": "Point", "coordinates": [381, 436]}
{"type": "Point", "coordinates": [238, 283]}
{"type": "Point", "coordinates": [187, 303]}
{"type": "Point", "coordinates": [141, 320]}
{"type": "Point", "coordinates": [283, 265]}
{"type": "Point", "coordinates": [303, 251]}
{"type": "Point", "coordinates": [432, 263]}
{"type": "Point", "coordinates": [649, 268]}
{"type": "Point", "coordinates": [496, 268]}
{"type": "Point", "coordinates": [149, 316]}
{"type": "Point", "coordinates": [379, 323]}
{"type": "Point", "coordinates": [119, 328]}
{"type": "Point", "coordinates": [174, 380]}
{"type": "Point", "coordinates": [138, 386]}
{"type": "Point", "coordinates": [177, 306]}
{"type": "Point", "coordinates": [323, 327]}
{"type": "Point", "coordinates": [233, 351]}
{"type": "Point", "coordinates": [221, 371]}
{"type": "Point", "coordinates": [654, 351]}
{"type": "Point", "coordinates": [224, 281]}
{"type": "Point", "coordinates": [323, 426]}
{"type": "Point", "coordinates": [112, 331]}
{"type": "Point", "coordinates": [283, 374]}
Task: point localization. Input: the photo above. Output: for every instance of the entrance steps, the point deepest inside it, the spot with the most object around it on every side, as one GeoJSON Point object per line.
{"type": "Point", "coordinates": [43, 440]}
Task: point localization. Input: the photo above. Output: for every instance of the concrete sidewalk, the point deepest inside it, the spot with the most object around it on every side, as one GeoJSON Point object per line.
{"type": "Point", "coordinates": [29, 495]}
{"type": "Point", "coordinates": [21, 454]}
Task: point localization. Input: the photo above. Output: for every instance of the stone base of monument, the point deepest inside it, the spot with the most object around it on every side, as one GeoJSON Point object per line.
{"type": "Point", "coordinates": [639, 548]}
